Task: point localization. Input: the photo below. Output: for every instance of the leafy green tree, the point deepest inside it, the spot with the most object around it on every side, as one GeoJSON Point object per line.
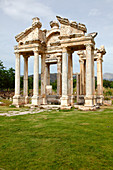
{"type": "Point", "coordinates": [54, 85]}
{"type": "Point", "coordinates": [106, 83]}
{"type": "Point", "coordinates": [7, 77]}
{"type": "Point", "coordinates": [6, 80]}
{"type": "Point", "coordinates": [2, 73]}
{"type": "Point", "coordinates": [95, 83]}
{"type": "Point", "coordinates": [74, 83]}
{"type": "Point", "coordinates": [11, 76]}
{"type": "Point", "coordinates": [30, 82]}
{"type": "Point", "coordinates": [21, 82]}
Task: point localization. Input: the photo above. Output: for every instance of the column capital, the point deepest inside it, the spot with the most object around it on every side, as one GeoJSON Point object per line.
{"type": "Point", "coordinates": [16, 53]}
{"type": "Point", "coordinates": [81, 61]}
{"type": "Point", "coordinates": [90, 45]}
{"type": "Point", "coordinates": [99, 59]}
{"type": "Point", "coordinates": [58, 59]}
{"type": "Point", "coordinates": [81, 53]}
{"type": "Point", "coordinates": [26, 56]}
{"type": "Point", "coordinates": [101, 50]}
{"type": "Point", "coordinates": [43, 54]}
{"type": "Point", "coordinates": [64, 50]}
{"type": "Point", "coordinates": [70, 51]}
{"type": "Point", "coordinates": [36, 51]}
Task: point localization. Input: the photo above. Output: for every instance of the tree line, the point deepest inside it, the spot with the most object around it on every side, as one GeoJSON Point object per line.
{"type": "Point", "coordinates": [7, 80]}
{"type": "Point", "coordinates": [7, 77]}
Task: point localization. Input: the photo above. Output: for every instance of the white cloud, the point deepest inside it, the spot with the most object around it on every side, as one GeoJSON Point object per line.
{"type": "Point", "coordinates": [94, 12]}
{"type": "Point", "coordinates": [26, 9]}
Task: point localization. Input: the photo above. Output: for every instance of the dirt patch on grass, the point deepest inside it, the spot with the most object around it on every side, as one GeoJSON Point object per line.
{"type": "Point", "coordinates": [84, 124]}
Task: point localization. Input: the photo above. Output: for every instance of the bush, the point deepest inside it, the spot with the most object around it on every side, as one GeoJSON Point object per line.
{"type": "Point", "coordinates": [106, 98]}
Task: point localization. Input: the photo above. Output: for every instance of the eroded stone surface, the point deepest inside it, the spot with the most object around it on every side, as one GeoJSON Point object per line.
{"type": "Point", "coordinates": [56, 46]}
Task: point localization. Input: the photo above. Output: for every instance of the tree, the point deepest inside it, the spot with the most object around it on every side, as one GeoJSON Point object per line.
{"type": "Point", "coordinates": [11, 76]}
{"type": "Point", "coordinates": [74, 83]}
{"type": "Point", "coordinates": [2, 72]}
{"type": "Point", "coordinates": [7, 77]}
{"type": "Point", "coordinates": [54, 85]}
{"type": "Point", "coordinates": [30, 82]}
{"type": "Point", "coordinates": [106, 83]}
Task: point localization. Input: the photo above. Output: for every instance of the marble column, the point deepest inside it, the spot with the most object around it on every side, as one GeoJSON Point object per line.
{"type": "Point", "coordinates": [64, 98]}
{"type": "Point", "coordinates": [59, 77]}
{"type": "Point", "coordinates": [78, 86]}
{"type": "Point", "coordinates": [70, 78]}
{"type": "Point", "coordinates": [81, 76]}
{"type": "Point", "coordinates": [35, 98]}
{"type": "Point", "coordinates": [43, 79]}
{"type": "Point", "coordinates": [99, 81]}
{"type": "Point", "coordinates": [95, 98]}
{"type": "Point", "coordinates": [48, 74]}
{"type": "Point", "coordinates": [25, 89]}
{"type": "Point", "coordinates": [89, 98]}
{"type": "Point", "coordinates": [16, 98]}
{"type": "Point", "coordinates": [84, 92]}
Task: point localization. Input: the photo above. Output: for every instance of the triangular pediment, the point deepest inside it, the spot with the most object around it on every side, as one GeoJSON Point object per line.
{"type": "Point", "coordinates": [30, 33]}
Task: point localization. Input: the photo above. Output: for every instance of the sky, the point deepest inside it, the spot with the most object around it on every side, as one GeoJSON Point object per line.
{"type": "Point", "coordinates": [16, 16]}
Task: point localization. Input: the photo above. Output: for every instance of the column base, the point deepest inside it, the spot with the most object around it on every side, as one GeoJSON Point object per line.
{"type": "Point", "coordinates": [26, 100]}
{"type": "Point", "coordinates": [43, 100]}
{"type": "Point", "coordinates": [100, 99]}
{"type": "Point", "coordinates": [89, 101]}
{"type": "Point", "coordinates": [16, 100]}
{"type": "Point", "coordinates": [71, 100]}
{"type": "Point", "coordinates": [35, 100]}
{"type": "Point", "coordinates": [95, 100]}
{"type": "Point", "coordinates": [64, 101]}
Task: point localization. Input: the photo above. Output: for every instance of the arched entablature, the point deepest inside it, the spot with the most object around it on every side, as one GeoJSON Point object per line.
{"type": "Point", "coordinates": [52, 36]}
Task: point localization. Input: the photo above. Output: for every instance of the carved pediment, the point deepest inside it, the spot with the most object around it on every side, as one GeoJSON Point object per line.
{"type": "Point", "coordinates": [52, 37]}
{"type": "Point", "coordinates": [31, 34]}
{"type": "Point", "coordinates": [71, 29]}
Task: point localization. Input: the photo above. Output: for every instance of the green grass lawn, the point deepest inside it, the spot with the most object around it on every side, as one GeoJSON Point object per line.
{"type": "Point", "coordinates": [58, 140]}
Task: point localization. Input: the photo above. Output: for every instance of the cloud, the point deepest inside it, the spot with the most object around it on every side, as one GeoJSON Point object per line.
{"type": "Point", "coordinates": [26, 9]}
{"type": "Point", "coordinates": [94, 12]}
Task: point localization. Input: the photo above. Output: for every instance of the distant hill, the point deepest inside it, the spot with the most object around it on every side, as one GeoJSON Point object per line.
{"type": "Point", "coordinates": [108, 76]}
{"type": "Point", "coordinates": [53, 77]}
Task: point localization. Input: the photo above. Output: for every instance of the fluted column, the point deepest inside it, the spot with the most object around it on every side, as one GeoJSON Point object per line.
{"type": "Point", "coordinates": [84, 92]}
{"type": "Point", "coordinates": [78, 86]}
{"type": "Point", "coordinates": [89, 98]}
{"type": "Point", "coordinates": [59, 78]}
{"type": "Point", "coordinates": [99, 82]}
{"type": "Point", "coordinates": [43, 79]}
{"type": "Point", "coordinates": [16, 98]}
{"type": "Point", "coordinates": [35, 98]}
{"type": "Point", "coordinates": [82, 76]}
{"type": "Point", "coordinates": [25, 90]}
{"type": "Point", "coordinates": [95, 98]}
{"type": "Point", "coordinates": [48, 74]}
{"type": "Point", "coordinates": [64, 98]}
{"type": "Point", "coordinates": [70, 78]}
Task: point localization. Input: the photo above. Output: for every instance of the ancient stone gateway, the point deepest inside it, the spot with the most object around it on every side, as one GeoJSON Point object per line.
{"type": "Point", "coordinates": [56, 46]}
